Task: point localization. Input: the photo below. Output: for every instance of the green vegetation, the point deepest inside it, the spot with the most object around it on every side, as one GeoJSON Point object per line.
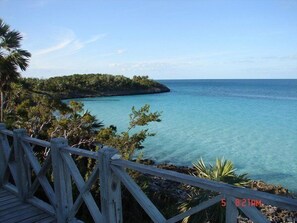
{"type": "Point", "coordinates": [91, 85]}
{"type": "Point", "coordinates": [12, 58]}
{"type": "Point", "coordinates": [222, 171]}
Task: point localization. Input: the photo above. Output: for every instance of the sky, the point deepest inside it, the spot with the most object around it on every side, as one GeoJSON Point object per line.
{"type": "Point", "coordinates": [164, 39]}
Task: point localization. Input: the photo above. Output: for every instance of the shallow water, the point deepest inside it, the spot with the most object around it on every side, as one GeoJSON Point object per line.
{"type": "Point", "coordinates": [251, 122]}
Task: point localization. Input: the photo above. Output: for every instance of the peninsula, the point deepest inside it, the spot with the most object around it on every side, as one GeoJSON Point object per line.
{"type": "Point", "coordinates": [93, 85]}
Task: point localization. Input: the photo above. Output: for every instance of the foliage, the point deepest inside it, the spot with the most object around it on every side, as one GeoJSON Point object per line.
{"type": "Point", "coordinates": [125, 142]}
{"type": "Point", "coordinates": [222, 171]}
{"type": "Point", "coordinates": [77, 125]}
{"type": "Point", "coordinates": [12, 58]}
{"type": "Point", "coordinates": [46, 117]}
{"type": "Point", "coordinates": [86, 85]}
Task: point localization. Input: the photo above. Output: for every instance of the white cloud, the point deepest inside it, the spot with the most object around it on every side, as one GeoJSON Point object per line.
{"type": "Point", "coordinates": [54, 48]}
{"type": "Point", "coordinates": [70, 42]}
{"type": "Point", "coordinates": [95, 38]}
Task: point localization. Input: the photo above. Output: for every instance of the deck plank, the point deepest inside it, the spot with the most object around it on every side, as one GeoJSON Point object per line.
{"type": "Point", "coordinates": [11, 203]}
{"type": "Point", "coordinates": [42, 218]}
{"type": "Point", "coordinates": [45, 220]}
{"type": "Point", "coordinates": [6, 198]}
{"type": "Point", "coordinates": [17, 212]}
{"type": "Point", "coordinates": [12, 210]}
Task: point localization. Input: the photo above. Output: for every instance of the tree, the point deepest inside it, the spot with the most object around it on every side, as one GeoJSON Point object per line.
{"type": "Point", "coordinates": [12, 58]}
{"type": "Point", "coordinates": [222, 171]}
{"type": "Point", "coordinates": [126, 142]}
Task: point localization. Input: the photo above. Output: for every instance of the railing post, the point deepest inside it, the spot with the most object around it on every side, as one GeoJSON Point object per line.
{"type": "Point", "coordinates": [62, 180]}
{"type": "Point", "coordinates": [231, 210]}
{"type": "Point", "coordinates": [3, 161]}
{"type": "Point", "coordinates": [110, 188]}
{"type": "Point", "coordinates": [22, 166]}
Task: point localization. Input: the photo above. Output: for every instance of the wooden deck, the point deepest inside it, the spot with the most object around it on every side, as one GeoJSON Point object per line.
{"type": "Point", "coordinates": [12, 210]}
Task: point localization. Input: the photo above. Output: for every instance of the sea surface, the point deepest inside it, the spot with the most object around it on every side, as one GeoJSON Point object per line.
{"type": "Point", "coordinates": [250, 122]}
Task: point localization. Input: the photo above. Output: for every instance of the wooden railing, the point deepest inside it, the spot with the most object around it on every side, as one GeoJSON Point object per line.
{"type": "Point", "coordinates": [22, 173]}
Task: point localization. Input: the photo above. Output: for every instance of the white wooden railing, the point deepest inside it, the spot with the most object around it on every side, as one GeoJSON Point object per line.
{"type": "Point", "coordinates": [18, 165]}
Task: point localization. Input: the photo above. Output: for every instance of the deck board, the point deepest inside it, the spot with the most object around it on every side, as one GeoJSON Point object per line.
{"type": "Point", "coordinates": [12, 210]}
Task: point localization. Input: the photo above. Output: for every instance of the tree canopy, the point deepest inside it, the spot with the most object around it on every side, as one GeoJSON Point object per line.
{"type": "Point", "coordinates": [90, 85]}
{"type": "Point", "coordinates": [12, 58]}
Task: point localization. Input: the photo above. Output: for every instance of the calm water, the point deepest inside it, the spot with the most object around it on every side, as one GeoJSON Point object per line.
{"type": "Point", "coordinates": [251, 122]}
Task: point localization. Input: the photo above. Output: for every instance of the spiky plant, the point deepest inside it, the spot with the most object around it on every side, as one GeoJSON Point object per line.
{"type": "Point", "coordinates": [222, 171]}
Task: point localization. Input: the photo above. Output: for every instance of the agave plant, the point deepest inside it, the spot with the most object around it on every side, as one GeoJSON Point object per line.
{"type": "Point", "coordinates": [222, 171]}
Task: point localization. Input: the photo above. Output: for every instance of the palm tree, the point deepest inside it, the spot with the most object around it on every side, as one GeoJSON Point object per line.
{"type": "Point", "coordinates": [12, 58]}
{"type": "Point", "coordinates": [222, 171]}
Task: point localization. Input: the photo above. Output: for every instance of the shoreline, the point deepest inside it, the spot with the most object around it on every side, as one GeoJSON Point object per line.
{"type": "Point", "coordinates": [178, 192]}
{"type": "Point", "coordinates": [260, 185]}
{"type": "Point", "coordinates": [112, 94]}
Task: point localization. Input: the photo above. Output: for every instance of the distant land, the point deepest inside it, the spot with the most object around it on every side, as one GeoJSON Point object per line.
{"type": "Point", "coordinates": [93, 85]}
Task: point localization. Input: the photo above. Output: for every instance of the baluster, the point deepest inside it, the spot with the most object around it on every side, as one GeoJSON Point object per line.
{"type": "Point", "coordinates": [231, 211]}
{"type": "Point", "coordinates": [3, 162]}
{"type": "Point", "coordinates": [110, 188]}
{"type": "Point", "coordinates": [62, 180]}
{"type": "Point", "coordinates": [22, 166]}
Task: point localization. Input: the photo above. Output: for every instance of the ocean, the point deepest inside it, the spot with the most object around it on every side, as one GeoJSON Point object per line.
{"type": "Point", "coordinates": [253, 123]}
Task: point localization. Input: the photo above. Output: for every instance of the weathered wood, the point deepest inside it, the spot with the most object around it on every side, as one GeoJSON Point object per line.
{"type": "Point", "coordinates": [80, 183]}
{"type": "Point", "coordinates": [35, 141]}
{"type": "Point", "coordinates": [42, 205]}
{"type": "Point", "coordinates": [110, 188]}
{"type": "Point", "coordinates": [80, 152]}
{"type": "Point", "coordinates": [20, 218]}
{"type": "Point", "coordinates": [139, 195]}
{"type": "Point", "coordinates": [39, 218]}
{"type": "Point", "coordinates": [41, 177]}
{"type": "Point", "coordinates": [21, 213]}
{"type": "Point", "coordinates": [44, 220]}
{"type": "Point", "coordinates": [23, 179]}
{"type": "Point", "coordinates": [3, 162]}
{"type": "Point", "coordinates": [231, 211]}
{"type": "Point", "coordinates": [7, 166]}
{"type": "Point", "coordinates": [195, 209]}
{"type": "Point", "coordinates": [5, 131]}
{"type": "Point", "coordinates": [61, 185]}
{"type": "Point", "coordinates": [8, 162]}
{"type": "Point", "coordinates": [4, 198]}
{"type": "Point", "coordinates": [230, 190]}
{"type": "Point", "coordinates": [85, 189]}
{"type": "Point", "coordinates": [13, 210]}
{"type": "Point", "coordinates": [42, 173]}
{"type": "Point", "coordinates": [11, 188]}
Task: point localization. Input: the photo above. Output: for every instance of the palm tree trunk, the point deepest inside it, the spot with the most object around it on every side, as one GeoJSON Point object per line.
{"type": "Point", "coordinates": [1, 105]}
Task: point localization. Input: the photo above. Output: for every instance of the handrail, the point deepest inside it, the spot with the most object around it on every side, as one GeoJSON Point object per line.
{"type": "Point", "coordinates": [20, 161]}
{"type": "Point", "coordinates": [227, 189]}
{"type": "Point", "coordinates": [80, 152]}
{"type": "Point", "coordinates": [35, 141]}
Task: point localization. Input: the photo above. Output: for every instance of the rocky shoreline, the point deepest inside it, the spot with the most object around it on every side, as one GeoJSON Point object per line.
{"type": "Point", "coordinates": [179, 192]}
{"type": "Point", "coordinates": [154, 90]}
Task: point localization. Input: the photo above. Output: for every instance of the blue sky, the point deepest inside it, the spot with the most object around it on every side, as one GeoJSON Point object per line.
{"type": "Point", "coordinates": [165, 39]}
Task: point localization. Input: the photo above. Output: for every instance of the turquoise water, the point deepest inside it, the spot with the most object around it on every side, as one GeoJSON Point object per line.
{"type": "Point", "coordinates": [251, 122]}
